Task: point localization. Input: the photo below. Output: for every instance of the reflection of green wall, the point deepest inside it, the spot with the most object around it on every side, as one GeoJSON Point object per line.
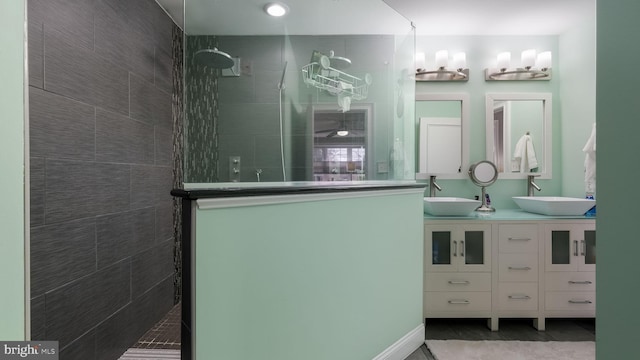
{"type": "Point", "coordinates": [438, 109]}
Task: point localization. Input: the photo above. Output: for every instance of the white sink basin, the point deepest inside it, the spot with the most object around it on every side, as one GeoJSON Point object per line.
{"type": "Point", "coordinates": [450, 206]}
{"type": "Point", "coordinates": [554, 205]}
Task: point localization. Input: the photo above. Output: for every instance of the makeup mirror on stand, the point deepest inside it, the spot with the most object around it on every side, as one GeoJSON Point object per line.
{"type": "Point", "coordinates": [483, 174]}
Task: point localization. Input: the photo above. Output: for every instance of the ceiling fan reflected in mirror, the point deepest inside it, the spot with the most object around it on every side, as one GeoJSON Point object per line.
{"type": "Point", "coordinates": [348, 124]}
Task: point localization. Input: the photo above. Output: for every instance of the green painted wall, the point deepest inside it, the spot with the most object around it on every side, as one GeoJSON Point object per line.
{"type": "Point", "coordinates": [333, 279]}
{"type": "Point", "coordinates": [577, 102]}
{"type": "Point", "coordinates": [618, 126]}
{"type": "Point", "coordinates": [12, 274]}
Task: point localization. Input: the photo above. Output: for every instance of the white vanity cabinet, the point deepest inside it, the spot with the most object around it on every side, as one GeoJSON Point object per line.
{"type": "Point", "coordinates": [570, 269]}
{"type": "Point", "coordinates": [532, 267]}
{"type": "Point", "coordinates": [457, 279]}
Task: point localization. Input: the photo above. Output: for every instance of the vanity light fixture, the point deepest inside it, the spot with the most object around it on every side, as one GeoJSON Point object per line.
{"type": "Point", "coordinates": [442, 72]}
{"type": "Point", "coordinates": [532, 67]}
{"type": "Point", "coordinates": [276, 9]}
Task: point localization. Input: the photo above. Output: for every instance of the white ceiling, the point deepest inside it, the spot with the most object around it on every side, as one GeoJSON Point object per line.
{"type": "Point", "coordinates": [431, 17]}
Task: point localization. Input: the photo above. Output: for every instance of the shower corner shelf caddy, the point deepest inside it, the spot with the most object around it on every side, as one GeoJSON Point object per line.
{"type": "Point", "coordinates": [336, 82]}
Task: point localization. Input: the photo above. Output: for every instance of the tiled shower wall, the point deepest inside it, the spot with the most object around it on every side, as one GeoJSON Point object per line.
{"type": "Point", "coordinates": [100, 89]}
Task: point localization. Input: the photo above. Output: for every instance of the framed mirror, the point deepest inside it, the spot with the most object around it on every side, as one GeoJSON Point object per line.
{"type": "Point", "coordinates": [518, 132]}
{"type": "Point", "coordinates": [444, 135]}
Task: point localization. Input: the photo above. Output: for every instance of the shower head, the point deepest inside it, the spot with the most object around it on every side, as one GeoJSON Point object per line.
{"type": "Point", "coordinates": [214, 58]}
{"type": "Point", "coordinates": [338, 62]}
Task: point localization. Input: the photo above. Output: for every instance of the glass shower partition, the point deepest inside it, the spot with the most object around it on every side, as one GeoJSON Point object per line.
{"type": "Point", "coordinates": [324, 93]}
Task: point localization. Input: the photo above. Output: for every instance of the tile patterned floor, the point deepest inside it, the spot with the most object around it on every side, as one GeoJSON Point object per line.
{"type": "Point", "coordinates": [163, 335]}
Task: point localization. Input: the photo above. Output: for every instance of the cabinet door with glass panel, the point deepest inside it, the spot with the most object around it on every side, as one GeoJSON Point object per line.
{"type": "Point", "coordinates": [459, 247]}
{"type": "Point", "coordinates": [570, 247]}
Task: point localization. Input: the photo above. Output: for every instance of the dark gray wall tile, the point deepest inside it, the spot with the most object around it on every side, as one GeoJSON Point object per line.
{"type": "Point", "coordinates": [123, 140]}
{"type": "Point", "coordinates": [163, 184]}
{"type": "Point", "coordinates": [164, 146]}
{"type": "Point", "coordinates": [163, 68]}
{"type": "Point", "coordinates": [80, 189]}
{"type": "Point", "coordinates": [152, 305]}
{"type": "Point", "coordinates": [162, 29]}
{"type": "Point", "coordinates": [143, 186]}
{"type": "Point", "coordinates": [60, 127]}
{"type": "Point", "coordinates": [164, 221]}
{"type": "Point", "coordinates": [123, 234]}
{"type": "Point", "coordinates": [61, 253]}
{"type": "Point", "coordinates": [36, 55]}
{"type": "Point", "coordinates": [36, 186]}
{"type": "Point", "coordinates": [83, 348]}
{"type": "Point", "coordinates": [68, 69]}
{"type": "Point", "coordinates": [249, 119]}
{"type": "Point", "coordinates": [115, 335]}
{"type": "Point", "coordinates": [38, 318]}
{"type": "Point", "coordinates": [267, 151]}
{"type": "Point", "coordinates": [110, 86]}
{"type": "Point", "coordinates": [135, 51]}
{"type": "Point", "coordinates": [149, 103]}
{"type": "Point", "coordinates": [77, 307]}
{"type": "Point", "coordinates": [80, 74]}
{"type": "Point", "coordinates": [150, 267]}
{"type": "Point", "coordinates": [71, 19]}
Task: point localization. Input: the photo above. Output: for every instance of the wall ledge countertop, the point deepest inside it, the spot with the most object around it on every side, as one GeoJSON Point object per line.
{"type": "Point", "coordinates": [194, 191]}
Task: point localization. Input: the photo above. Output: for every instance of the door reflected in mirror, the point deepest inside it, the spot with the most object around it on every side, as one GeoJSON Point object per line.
{"type": "Point", "coordinates": [519, 134]}
{"type": "Point", "coordinates": [443, 139]}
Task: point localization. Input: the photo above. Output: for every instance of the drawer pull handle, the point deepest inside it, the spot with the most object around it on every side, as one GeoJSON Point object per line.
{"type": "Point", "coordinates": [519, 239]}
{"type": "Point", "coordinates": [587, 282]}
{"type": "Point", "coordinates": [582, 247]}
{"type": "Point", "coordinates": [463, 302]}
{"type": "Point", "coordinates": [579, 301]}
{"type": "Point", "coordinates": [575, 247]}
{"type": "Point", "coordinates": [519, 297]}
{"type": "Point", "coordinates": [519, 268]}
{"type": "Point", "coordinates": [462, 248]}
{"type": "Point", "coordinates": [463, 282]}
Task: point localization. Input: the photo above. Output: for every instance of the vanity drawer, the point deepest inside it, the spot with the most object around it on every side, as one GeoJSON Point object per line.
{"type": "Point", "coordinates": [518, 267]}
{"type": "Point", "coordinates": [457, 281]}
{"type": "Point", "coordinates": [557, 300]}
{"type": "Point", "coordinates": [570, 281]}
{"type": "Point", "coordinates": [518, 296]}
{"type": "Point", "coordinates": [519, 238]}
{"type": "Point", "coordinates": [456, 301]}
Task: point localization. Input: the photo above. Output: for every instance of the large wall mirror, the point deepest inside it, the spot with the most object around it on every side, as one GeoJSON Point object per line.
{"type": "Point", "coordinates": [444, 135]}
{"type": "Point", "coordinates": [519, 134]}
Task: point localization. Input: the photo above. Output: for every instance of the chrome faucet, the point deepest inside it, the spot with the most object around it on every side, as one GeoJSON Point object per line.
{"type": "Point", "coordinates": [532, 185]}
{"type": "Point", "coordinates": [433, 186]}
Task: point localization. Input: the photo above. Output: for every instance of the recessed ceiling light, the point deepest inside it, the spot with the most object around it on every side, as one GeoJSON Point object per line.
{"type": "Point", "coordinates": [276, 9]}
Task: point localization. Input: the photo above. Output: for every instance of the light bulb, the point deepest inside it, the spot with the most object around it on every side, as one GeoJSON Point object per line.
{"type": "Point", "coordinates": [460, 61]}
{"type": "Point", "coordinates": [442, 58]}
{"type": "Point", "coordinates": [544, 60]}
{"type": "Point", "coordinates": [342, 133]}
{"type": "Point", "coordinates": [528, 58]}
{"type": "Point", "coordinates": [420, 61]}
{"type": "Point", "coordinates": [504, 60]}
{"type": "Point", "coordinates": [276, 9]}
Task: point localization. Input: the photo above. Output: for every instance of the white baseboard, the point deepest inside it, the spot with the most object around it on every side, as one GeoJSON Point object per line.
{"type": "Point", "coordinates": [402, 348]}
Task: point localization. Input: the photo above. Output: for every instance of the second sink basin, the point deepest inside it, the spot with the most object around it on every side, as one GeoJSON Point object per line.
{"type": "Point", "coordinates": [554, 205]}
{"type": "Point", "coordinates": [450, 206]}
